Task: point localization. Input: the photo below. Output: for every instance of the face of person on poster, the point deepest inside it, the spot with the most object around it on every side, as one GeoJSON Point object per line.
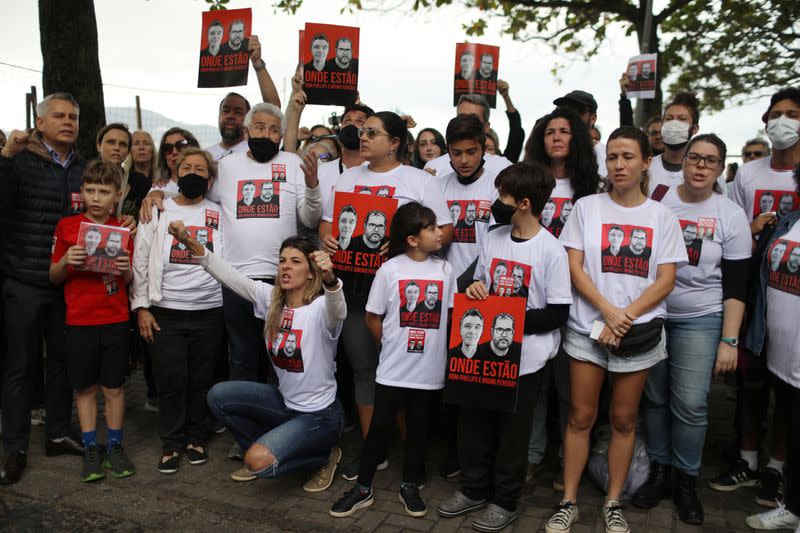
{"type": "Point", "coordinates": [615, 237]}
{"type": "Point", "coordinates": [487, 66]}
{"type": "Point", "coordinates": [202, 237]}
{"type": "Point", "coordinates": [290, 345]}
{"type": "Point", "coordinates": [502, 334]}
{"type": "Point", "coordinates": [633, 72]}
{"type": "Point", "coordinates": [248, 193]}
{"type": "Point", "coordinates": [375, 229]}
{"type": "Point", "coordinates": [236, 37]}
{"type": "Point", "coordinates": [767, 202]}
{"type": "Point", "coordinates": [776, 255]}
{"type": "Point", "coordinates": [689, 234]}
{"type": "Point", "coordinates": [92, 238]}
{"type": "Point", "coordinates": [267, 190]}
{"type": "Point", "coordinates": [344, 53]}
{"type": "Point", "coordinates": [647, 70]}
{"type": "Point", "coordinates": [548, 212]}
{"type": "Point", "coordinates": [471, 328]}
{"type": "Point", "coordinates": [431, 295]}
{"type": "Point", "coordinates": [455, 212]}
{"type": "Point", "coordinates": [566, 209]}
{"type": "Point", "coordinates": [785, 205]}
{"type": "Point", "coordinates": [319, 51]}
{"type": "Point", "coordinates": [467, 65]}
{"type": "Point", "coordinates": [793, 263]}
{"type": "Point", "coordinates": [215, 33]}
{"type": "Point", "coordinates": [469, 214]}
{"type": "Point", "coordinates": [113, 244]}
{"type": "Point", "coordinates": [412, 296]}
{"type": "Point", "coordinates": [638, 241]}
{"type": "Point", "coordinates": [347, 225]}
{"type": "Point", "coordinates": [500, 270]}
{"type": "Point", "coordinates": [518, 273]}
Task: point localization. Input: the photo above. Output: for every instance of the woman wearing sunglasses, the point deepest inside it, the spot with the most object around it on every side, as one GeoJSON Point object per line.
{"type": "Point", "coordinates": [172, 143]}
{"type": "Point", "coordinates": [383, 139]}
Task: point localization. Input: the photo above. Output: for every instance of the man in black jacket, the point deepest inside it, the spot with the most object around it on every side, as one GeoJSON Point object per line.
{"type": "Point", "coordinates": [40, 179]}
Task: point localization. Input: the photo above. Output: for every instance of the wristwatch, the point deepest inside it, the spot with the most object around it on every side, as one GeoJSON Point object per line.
{"type": "Point", "coordinates": [732, 341]}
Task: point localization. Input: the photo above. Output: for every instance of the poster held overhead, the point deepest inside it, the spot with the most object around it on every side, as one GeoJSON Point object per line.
{"type": "Point", "coordinates": [642, 76]}
{"type": "Point", "coordinates": [224, 60]}
{"type": "Point", "coordinates": [476, 69]}
{"type": "Point", "coordinates": [329, 54]}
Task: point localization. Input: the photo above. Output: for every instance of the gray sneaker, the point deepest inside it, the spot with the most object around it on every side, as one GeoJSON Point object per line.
{"type": "Point", "coordinates": [236, 453]}
{"type": "Point", "coordinates": [494, 518]}
{"type": "Point", "coordinates": [459, 504]}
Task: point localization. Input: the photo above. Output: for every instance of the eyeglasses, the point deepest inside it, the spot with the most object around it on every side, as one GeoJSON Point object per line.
{"type": "Point", "coordinates": [710, 161]}
{"type": "Point", "coordinates": [754, 153]}
{"type": "Point", "coordinates": [180, 145]}
{"type": "Point", "coordinates": [371, 133]}
{"type": "Point", "coordinates": [317, 138]}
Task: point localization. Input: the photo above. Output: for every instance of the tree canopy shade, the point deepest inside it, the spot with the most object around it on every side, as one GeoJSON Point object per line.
{"type": "Point", "coordinates": [728, 51]}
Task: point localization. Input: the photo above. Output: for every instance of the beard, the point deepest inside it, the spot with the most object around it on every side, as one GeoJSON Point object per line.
{"type": "Point", "coordinates": [231, 134]}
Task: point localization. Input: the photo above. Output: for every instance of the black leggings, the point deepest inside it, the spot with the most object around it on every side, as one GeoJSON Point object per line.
{"type": "Point", "coordinates": [788, 395]}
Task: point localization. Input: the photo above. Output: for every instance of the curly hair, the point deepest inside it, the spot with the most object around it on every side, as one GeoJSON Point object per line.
{"type": "Point", "coordinates": [581, 163]}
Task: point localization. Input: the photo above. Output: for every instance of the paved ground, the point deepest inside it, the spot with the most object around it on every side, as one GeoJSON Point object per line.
{"type": "Point", "coordinates": [51, 498]}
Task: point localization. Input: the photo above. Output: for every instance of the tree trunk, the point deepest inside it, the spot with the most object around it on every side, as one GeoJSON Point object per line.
{"type": "Point", "coordinates": [68, 30]}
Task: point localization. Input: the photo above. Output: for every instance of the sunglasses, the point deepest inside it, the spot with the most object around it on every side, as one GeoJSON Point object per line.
{"type": "Point", "coordinates": [754, 153]}
{"type": "Point", "coordinates": [180, 145]}
{"type": "Point", "coordinates": [317, 138]}
{"type": "Point", "coordinates": [325, 157]}
{"type": "Point", "coordinates": [371, 133]}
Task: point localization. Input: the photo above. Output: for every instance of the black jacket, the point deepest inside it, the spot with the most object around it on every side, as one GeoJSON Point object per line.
{"type": "Point", "coordinates": [35, 193]}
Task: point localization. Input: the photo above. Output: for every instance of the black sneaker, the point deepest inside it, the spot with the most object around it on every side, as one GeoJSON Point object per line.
{"type": "Point", "coordinates": [737, 477]}
{"type": "Point", "coordinates": [412, 499]}
{"type": "Point", "coordinates": [770, 492]}
{"type": "Point", "coordinates": [195, 456]}
{"type": "Point", "coordinates": [657, 487]}
{"type": "Point", "coordinates": [169, 463]}
{"type": "Point", "coordinates": [352, 500]}
{"type": "Point", "coordinates": [118, 463]}
{"type": "Point", "coordinates": [350, 471]}
{"type": "Point", "coordinates": [92, 464]}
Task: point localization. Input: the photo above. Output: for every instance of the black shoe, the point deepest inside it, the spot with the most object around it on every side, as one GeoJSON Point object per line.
{"type": "Point", "coordinates": [690, 509]}
{"type": "Point", "coordinates": [170, 463]}
{"type": "Point", "coordinates": [92, 464]}
{"type": "Point", "coordinates": [450, 467]}
{"type": "Point", "coordinates": [771, 490]}
{"type": "Point", "coordinates": [737, 477]}
{"type": "Point", "coordinates": [12, 468]}
{"type": "Point", "coordinates": [196, 457]}
{"type": "Point", "coordinates": [412, 499]}
{"type": "Point", "coordinates": [352, 500]}
{"type": "Point", "coordinates": [64, 445]}
{"type": "Point", "coordinates": [656, 488]}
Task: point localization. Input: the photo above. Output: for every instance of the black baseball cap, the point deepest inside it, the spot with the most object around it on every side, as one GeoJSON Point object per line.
{"type": "Point", "coordinates": [581, 98]}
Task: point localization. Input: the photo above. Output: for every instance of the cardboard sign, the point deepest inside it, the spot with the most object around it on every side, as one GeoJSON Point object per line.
{"type": "Point", "coordinates": [642, 76]}
{"type": "Point", "coordinates": [103, 244]}
{"type": "Point", "coordinates": [483, 357]}
{"type": "Point", "coordinates": [224, 60]}
{"type": "Point", "coordinates": [476, 69]}
{"type": "Point", "coordinates": [329, 54]}
{"type": "Point", "coordinates": [361, 224]}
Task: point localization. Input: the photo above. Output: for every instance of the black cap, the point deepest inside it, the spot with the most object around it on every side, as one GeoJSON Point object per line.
{"type": "Point", "coordinates": [581, 98]}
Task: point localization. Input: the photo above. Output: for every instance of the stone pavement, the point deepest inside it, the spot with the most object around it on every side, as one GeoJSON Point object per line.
{"type": "Point", "coordinates": [51, 497]}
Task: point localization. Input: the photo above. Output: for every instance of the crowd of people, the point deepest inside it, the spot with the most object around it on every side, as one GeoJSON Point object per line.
{"type": "Point", "coordinates": [645, 271]}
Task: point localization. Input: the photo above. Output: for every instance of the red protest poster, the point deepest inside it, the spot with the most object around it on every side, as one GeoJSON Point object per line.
{"type": "Point", "coordinates": [642, 76]}
{"type": "Point", "coordinates": [626, 249]}
{"type": "Point", "coordinates": [476, 71]}
{"type": "Point", "coordinates": [224, 61]}
{"type": "Point", "coordinates": [103, 244]}
{"type": "Point", "coordinates": [484, 352]}
{"type": "Point", "coordinates": [329, 54]}
{"type": "Point", "coordinates": [775, 201]}
{"type": "Point", "coordinates": [361, 225]}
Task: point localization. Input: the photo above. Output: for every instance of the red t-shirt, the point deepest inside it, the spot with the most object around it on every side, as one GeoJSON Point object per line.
{"type": "Point", "coordinates": [92, 298]}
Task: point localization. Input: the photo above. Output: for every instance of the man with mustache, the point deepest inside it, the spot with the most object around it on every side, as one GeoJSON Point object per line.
{"type": "Point", "coordinates": [374, 234]}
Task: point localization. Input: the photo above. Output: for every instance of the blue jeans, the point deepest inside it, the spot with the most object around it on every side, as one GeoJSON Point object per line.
{"type": "Point", "coordinates": [676, 393]}
{"type": "Point", "coordinates": [255, 413]}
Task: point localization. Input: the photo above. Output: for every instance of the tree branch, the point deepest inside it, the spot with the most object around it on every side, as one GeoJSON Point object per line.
{"type": "Point", "coordinates": [619, 7]}
{"type": "Point", "coordinates": [673, 6]}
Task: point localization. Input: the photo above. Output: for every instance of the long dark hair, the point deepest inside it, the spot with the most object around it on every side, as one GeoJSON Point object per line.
{"type": "Point", "coordinates": [409, 220]}
{"type": "Point", "coordinates": [581, 163]}
{"type": "Point", "coordinates": [416, 161]}
{"type": "Point", "coordinates": [634, 134]}
{"type": "Point", "coordinates": [396, 127]}
{"type": "Point", "coordinates": [711, 138]}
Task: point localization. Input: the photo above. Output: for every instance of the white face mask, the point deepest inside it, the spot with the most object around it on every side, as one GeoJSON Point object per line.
{"type": "Point", "coordinates": [782, 132]}
{"type": "Point", "coordinates": [675, 132]}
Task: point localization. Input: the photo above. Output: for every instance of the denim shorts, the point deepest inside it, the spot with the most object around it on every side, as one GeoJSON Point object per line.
{"type": "Point", "coordinates": [581, 347]}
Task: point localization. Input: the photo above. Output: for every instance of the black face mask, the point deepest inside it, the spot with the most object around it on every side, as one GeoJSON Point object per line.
{"type": "Point", "coordinates": [263, 148]}
{"type": "Point", "coordinates": [472, 178]}
{"type": "Point", "coordinates": [140, 184]}
{"type": "Point", "coordinates": [348, 136]}
{"type": "Point", "coordinates": [502, 213]}
{"type": "Point", "coordinates": [192, 185]}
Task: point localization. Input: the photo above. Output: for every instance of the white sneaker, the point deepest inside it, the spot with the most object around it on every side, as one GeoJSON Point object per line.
{"type": "Point", "coordinates": [565, 516]}
{"type": "Point", "coordinates": [778, 518]}
{"type": "Point", "coordinates": [615, 522]}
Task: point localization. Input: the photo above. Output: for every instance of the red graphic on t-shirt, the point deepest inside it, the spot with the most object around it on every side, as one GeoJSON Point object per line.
{"type": "Point", "coordinates": [416, 341]}
{"type": "Point", "coordinates": [420, 303]}
{"type": "Point", "coordinates": [692, 239]}
{"type": "Point", "coordinates": [626, 249]}
{"type": "Point", "coordinates": [288, 319]}
{"type": "Point", "coordinates": [464, 214]}
{"type": "Point", "coordinates": [775, 200]}
{"type": "Point", "coordinates": [76, 203]}
{"type": "Point", "coordinates": [278, 172]}
{"type": "Point", "coordinates": [509, 278]}
{"type": "Point", "coordinates": [180, 253]}
{"type": "Point", "coordinates": [285, 350]}
{"type": "Point", "coordinates": [784, 266]}
{"type": "Point", "coordinates": [386, 191]}
{"type": "Point", "coordinates": [555, 214]}
{"type": "Point", "coordinates": [258, 199]}
{"type": "Point", "coordinates": [212, 218]}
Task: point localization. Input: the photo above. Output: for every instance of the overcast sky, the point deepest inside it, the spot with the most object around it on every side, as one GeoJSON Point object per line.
{"type": "Point", "coordinates": [405, 63]}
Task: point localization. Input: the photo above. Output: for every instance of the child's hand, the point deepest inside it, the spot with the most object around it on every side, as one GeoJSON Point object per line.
{"type": "Point", "coordinates": [330, 244]}
{"type": "Point", "coordinates": [477, 291]}
{"type": "Point", "coordinates": [179, 231]}
{"type": "Point", "coordinates": [124, 262]}
{"type": "Point", "coordinates": [76, 255]}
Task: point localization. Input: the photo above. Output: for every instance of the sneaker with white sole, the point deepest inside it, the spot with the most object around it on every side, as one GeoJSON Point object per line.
{"type": "Point", "coordinates": [243, 474]}
{"type": "Point", "coordinates": [235, 453]}
{"type": "Point", "coordinates": [352, 500]}
{"type": "Point", "coordinates": [323, 478]}
{"type": "Point", "coordinates": [612, 515]}
{"type": "Point", "coordinates": [778, 518]}
{"type": "Point", "coordinates": [564, 518]}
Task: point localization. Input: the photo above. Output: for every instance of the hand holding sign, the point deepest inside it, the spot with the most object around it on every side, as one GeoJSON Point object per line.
{"type": "Point", "coordinates": [641, 74]}
{"type": "Point", "coordinates": [76, 255]}
{"type": "Point", "coordinates": [477, 291]}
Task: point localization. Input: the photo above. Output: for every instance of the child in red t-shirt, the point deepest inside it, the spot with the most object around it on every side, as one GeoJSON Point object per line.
{"type": "Point", "coordinates": [97, 335]}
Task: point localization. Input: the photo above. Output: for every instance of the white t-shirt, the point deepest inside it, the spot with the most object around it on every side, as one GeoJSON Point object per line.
{"type": "Point", "coordinates": [600, 154]}
{"type": "Point", "coordinates": [302, 353]}
{"type": "Point", "coordinates": [219, 152]}
{"type": "Point", "coordinates": [186, 285]}
{"type": "Point", "coordinates": [783, 301]}
{"type": "Point", "coordinates": [441, 164]}
{"type": "Point", "coordinates": [328, 174]}
{"type": "Point", "coordinates": [659, 175]}
{"type": "Point", "coordinates": [538, 269]}
{"type": "Point", "coordinates": [170, 189]}
{"type": "Point", "coordinates": [468, 202]}
{"type": "Point", "coordinates": [759, 188]}
{"type": "Point", "coordinates": [414, 344]}
{"type": "Point", "coordinates": [713, 230]}
{"type": "Point", "coordinates": [605, 232]}
{"type": "Point", "coordinates": [255, 229]}
{"type": "Point", "coordinates": [558, 208]}
{"type": "Point", "coordinates": [405, 183]}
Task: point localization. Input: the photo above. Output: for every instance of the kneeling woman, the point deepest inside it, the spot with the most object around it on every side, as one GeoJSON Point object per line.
{"type": "Point", "coordinates": [295, 425]}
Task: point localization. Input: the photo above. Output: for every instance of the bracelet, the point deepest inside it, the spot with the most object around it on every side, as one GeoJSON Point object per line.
{"type": "Point", "coordinates": [263, 66]}
{"type": "Point", "coordinates": [332, 284]}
